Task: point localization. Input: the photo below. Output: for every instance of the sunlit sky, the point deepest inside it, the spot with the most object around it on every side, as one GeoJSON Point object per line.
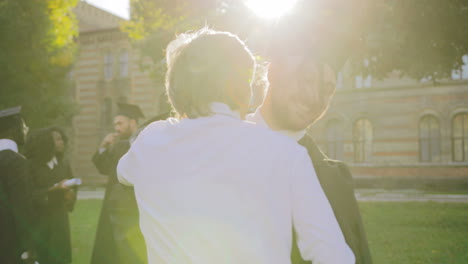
{"type": "Point", "coordinates": [118, 7]}
{"type": "Point", "coordinates": [264, 8]}
{"type": "Point", "coordinates": [270, 8]}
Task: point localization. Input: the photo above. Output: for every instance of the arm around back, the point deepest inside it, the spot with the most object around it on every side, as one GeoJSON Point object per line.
{"type": "Point", "coordinates": [320, 239]}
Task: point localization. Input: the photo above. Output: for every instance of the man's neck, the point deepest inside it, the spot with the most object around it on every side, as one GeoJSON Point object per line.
{"type": "Point", "coordinates": [268, 116]}
{"type": "Point", "coordinates": [269, 120]}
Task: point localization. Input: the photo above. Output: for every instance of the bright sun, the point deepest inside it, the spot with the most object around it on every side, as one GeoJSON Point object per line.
{"type": "Point", "coordinates": [270, 8]}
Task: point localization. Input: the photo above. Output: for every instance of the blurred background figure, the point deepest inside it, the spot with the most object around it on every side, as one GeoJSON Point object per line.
{"type": "Point", "coordinates": [63, 164]}
{"type": "Point", "coordinates": [118, 237]}
{"type": "Point", "coordinates": [15, 194]}
{"type": "Point", "coordinates": [53, 197]}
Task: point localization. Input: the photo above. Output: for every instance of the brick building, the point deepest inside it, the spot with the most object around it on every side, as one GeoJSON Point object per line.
{"type": "Point", "coordinates": [107, 71]}
{"type": "Point", "coordinates": [399, 127]}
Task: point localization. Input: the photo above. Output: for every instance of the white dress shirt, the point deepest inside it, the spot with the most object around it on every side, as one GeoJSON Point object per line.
{"type": "Point", "coordinates": [8, 144]}
{"type": "Point", "coordinates": [258, 119]}
{"type": "Point", "coordinates": [52, 163]}
{"type": "Point", "coordinates": [217, 190]}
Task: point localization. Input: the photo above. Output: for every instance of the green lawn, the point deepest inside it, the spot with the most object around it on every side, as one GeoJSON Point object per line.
{"type": "Point", "coordinates": [399, 233]}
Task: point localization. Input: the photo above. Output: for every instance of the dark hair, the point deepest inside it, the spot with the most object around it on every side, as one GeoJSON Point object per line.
{"type": "Point", "coordinates": [13, 129]}
{"type": "Point", "coordinates": [40, 146]}
{"type": "Point", "coordinates": [61, 131]}
{"type": "Point", "coordinates": [201, 65]}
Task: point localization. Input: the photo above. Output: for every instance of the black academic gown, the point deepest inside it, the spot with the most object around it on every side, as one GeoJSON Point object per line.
{"type": "Point", "coordinates": [53, 235]}
{"type": "Point", "coordinates": [118, 237]}
{"type": "Point", "coordinates": [15, 207]}
{"type": "Point", "coordinates": [337, 184]}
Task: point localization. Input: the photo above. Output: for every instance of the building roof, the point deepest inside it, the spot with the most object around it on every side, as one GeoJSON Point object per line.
{"type": "Point", "coordinates": [92, 18]}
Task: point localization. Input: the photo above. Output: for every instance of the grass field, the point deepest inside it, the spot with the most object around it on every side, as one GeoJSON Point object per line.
{"type": "Point", "coordinates": [399, 233]}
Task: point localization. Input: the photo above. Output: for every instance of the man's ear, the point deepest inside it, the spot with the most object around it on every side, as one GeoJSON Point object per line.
{"type": "Point", "coordinates": [134, 123]}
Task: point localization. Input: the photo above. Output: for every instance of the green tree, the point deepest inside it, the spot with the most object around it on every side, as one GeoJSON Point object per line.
{"type": "Point", "coordinates": [36, 53]}
{"type": "Point", "coordinates": [419, 38]}
{"type": "Point", "coordinates": [154, 23]}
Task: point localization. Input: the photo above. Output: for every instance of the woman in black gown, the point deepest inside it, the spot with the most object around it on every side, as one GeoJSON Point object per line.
{"type": "Point", "coordinates": [52, 198]}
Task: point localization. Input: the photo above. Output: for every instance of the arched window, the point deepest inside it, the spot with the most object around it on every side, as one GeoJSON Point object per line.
{"type": "Point", "coordinates": [334, 139]}
{"type": "Point", "coordinates": [363, 82]}
{"type": "Point", "coordinates": [362, 140]}
{"type": "Point", "coordinates": [429, 139]}
{"type": "Point", "coordinates": [460, 137]}
{"type": "Point", "coordinates": [108, 66]}
{"type": "Point", "coordinates": [123, 64]}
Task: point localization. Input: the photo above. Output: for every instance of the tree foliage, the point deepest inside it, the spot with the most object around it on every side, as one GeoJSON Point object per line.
{"type": "Point", "coordinates": [419, 38]}
{"type": "Point", "coordinates": [36, 53]}
{"type": "Point", "coordinates": [154, 23]}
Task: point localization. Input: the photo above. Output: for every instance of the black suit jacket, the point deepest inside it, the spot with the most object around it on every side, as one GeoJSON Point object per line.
{"type": "Point", "coordinates": [105, 248]}
{"type": "Point", "coordinates": [15, 207]}
{"type": "Point", "coordinates": [118, 237]}
{"type": "Point", "coordinates": [337, 184]}
{"type": "Point", "coordinates": [52, 237]}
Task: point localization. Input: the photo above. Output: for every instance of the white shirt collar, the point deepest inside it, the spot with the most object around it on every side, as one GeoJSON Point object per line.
{"type": "Point", "coordinates": [52, 163]}
{"type": "Point", "coordinates": [258, 119]}
{"type": "Point", "coordinates": [223, 109]}
{"type": "Point", "coordinates": [8, 144]}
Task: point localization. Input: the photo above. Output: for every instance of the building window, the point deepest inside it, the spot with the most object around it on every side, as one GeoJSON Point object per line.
{"type": "Point", "coordinates": [464, 68]}
{"type": "Point", "coordinates": [362, 140]}
{"type": "Point", "coordinates": [334, 139]}
{"type": "Point", "coordinates": [108, 66]}
{"type": "Point", "coordinates": [460, 137]}
{"type": "Point", "coordinates": [123, 64]}
{"type": "Point", "coordinates": [462, 73]}
{"type": "Point", "coordinates": [429, 139]}
{"type": "Point", "coordinates": [106, 114]}
{"type": "Point", "coordinates": [361, 82]}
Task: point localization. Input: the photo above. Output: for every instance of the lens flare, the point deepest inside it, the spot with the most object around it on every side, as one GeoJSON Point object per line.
{"type": "Point", "coordinates": [270, 8]}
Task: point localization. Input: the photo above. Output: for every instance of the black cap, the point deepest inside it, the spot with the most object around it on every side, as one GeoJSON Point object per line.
{"type": "Point", "coordinates": [130, 111]}
{"type": "Point", "coordinates": [9, 117]}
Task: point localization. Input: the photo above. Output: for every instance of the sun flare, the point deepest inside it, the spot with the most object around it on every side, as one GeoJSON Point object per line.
{"type": "Point", "coordinates": [270, 8]}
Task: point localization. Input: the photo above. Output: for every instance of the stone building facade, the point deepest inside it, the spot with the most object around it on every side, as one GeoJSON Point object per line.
{"type": "Point", "coordinates": [398, 127]}
{"type": "Point", "coordinates": [108, 70]}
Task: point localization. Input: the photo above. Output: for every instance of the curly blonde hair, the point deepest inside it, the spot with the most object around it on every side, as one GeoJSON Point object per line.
{"type": "Point", "coordinates": [207, 66]}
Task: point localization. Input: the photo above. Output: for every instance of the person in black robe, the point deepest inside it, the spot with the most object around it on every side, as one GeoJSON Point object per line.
{"type": "Point", "coordinates": [63, 164]}
{"type": "Point", "coordinates": [51, 198]}
{"type": "Point", "coordinates": [118, 237]}
{"type": "Point", "coordinates": [16, 222]}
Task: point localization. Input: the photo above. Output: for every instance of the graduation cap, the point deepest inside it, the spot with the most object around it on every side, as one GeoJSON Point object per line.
{"type": "Point", "coordinates": [9, 118]}
{"type": "Point", "coordinates": [130, 111]}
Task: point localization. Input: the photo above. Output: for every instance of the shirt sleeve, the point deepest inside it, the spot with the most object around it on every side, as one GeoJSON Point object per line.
{"type": "Point", "coordinates": [319, 236]}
